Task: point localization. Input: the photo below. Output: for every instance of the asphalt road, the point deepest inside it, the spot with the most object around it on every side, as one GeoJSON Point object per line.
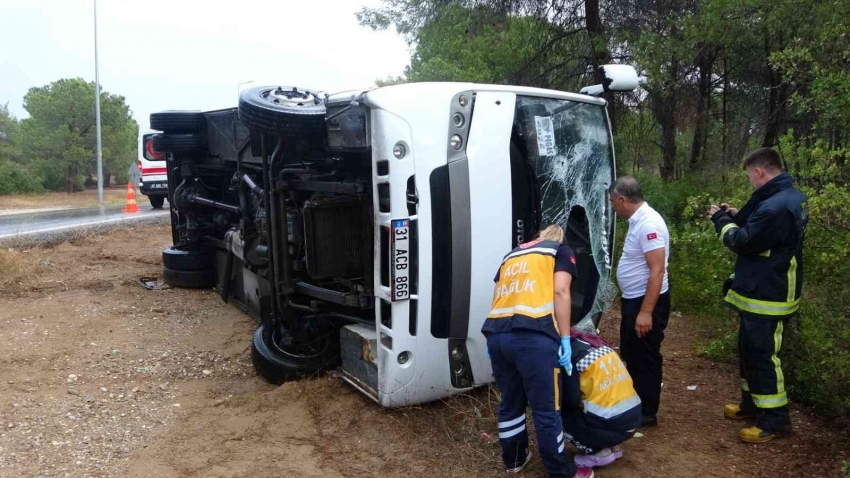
{"type": "Point", "coordinates": [54, 222]}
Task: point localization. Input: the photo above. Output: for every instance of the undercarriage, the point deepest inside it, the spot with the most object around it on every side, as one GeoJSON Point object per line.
{"type": "Point", "coordinates": [271, 204]}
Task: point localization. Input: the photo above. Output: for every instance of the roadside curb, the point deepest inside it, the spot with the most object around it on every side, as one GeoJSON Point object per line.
{"type": "Point", "coordinates": [28, 240]}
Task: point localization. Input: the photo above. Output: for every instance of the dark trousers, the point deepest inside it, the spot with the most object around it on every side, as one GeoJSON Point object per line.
{"type": "Point", "coordinates": [762, 381]}
{"type": "Point", "coordinates": [525, 366]}
{"type": "Point", "coordinates": [589, 437]}
{"type": "Point", "coordinates": [643, 355]}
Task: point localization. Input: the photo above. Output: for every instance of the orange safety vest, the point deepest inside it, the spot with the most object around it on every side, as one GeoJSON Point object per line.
{"type": "Point", "coordinates": [524, 296]}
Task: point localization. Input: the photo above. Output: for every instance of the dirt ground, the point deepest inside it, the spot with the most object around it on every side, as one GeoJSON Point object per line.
{"type": "Point", "coordinates": [102, 378]}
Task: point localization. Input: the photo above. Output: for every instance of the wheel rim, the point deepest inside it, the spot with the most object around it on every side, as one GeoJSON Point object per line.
{"type": "Point", "coordinates": [282, 342]}
{"type": "Point", "coordinates": [291, 98]}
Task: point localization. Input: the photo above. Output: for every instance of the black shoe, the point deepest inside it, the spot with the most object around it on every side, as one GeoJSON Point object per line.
{"type": "Point", "coordinates": [648, 421]}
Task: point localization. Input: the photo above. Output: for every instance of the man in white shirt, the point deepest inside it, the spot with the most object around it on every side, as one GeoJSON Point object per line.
{"type": "Point", "coordinates": [645, 303]}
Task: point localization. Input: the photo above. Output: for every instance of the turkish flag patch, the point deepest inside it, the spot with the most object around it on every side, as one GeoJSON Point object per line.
{"type": "Point", "coordinates": [573, 259]}
{"type": "Point", "coordinates": [651, 236]}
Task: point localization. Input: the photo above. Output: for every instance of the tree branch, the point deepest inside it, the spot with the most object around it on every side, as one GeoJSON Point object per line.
{"type": "Point", "coordinates": [545, 47]}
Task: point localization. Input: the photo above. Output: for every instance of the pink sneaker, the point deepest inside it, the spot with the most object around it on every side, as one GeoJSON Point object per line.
{"type": "Point", "coordinates": [584, 473]}
{"type": "Point", "coordinates": [602, 458]}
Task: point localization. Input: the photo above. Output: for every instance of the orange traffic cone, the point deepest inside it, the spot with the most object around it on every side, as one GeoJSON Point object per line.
{"type": "Point", "coordinates": [131, 199]}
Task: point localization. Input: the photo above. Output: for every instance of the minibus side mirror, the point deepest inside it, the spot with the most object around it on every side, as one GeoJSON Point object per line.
{"type": "Point", "coordinates": [617, 78]}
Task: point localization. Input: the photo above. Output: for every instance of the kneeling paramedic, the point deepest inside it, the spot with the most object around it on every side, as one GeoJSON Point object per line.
{"type": "Point", "coordinates": [528, 340]}
{"type": "Point", "coordinates": [767, 236]}
{"type": "Point", "coordinates": [601, 409]}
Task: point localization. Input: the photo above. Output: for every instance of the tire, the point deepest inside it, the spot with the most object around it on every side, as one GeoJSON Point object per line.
{"type": "Point", "coordinates": [179, 143]}
{"type": "Point", "coordinates": [277, 366]}
{"type": "Point", "coordinates": [157, 201]}
{"type": "Point", "coordinates": [188, 279]}
{"type": "Point", "coordinates": [269, 109]}
{"type": "Point", "coordinates": [176, 258]}
{"type": "Point", "coordinates": [179, 121]}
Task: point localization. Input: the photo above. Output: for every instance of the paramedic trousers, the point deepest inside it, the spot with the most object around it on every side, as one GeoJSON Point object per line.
{"type": "Point", "coordinates": [588, 437]}
{"type": "Point", "coordinates": [643, 355]}
{"type": "Point", "coordinates": [762, 381]}
{"type": "Point", "coordinates": [525, 366]}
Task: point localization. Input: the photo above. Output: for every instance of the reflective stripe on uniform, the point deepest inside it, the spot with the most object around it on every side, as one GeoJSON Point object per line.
{"type": "Point", "coordinates": [792, 279]}
{"type": "Point", "coordinates": [557, 390]}
{"type": "Point", "coordinates": [504, 431]}
{"type": "Point", "coordinates": [513, 432]}
{"type": "Point", "coordinates": [765, 253]}
{"type": "Point", "coordinates": [745, 386]}
{"type": "Point", "coordinates": [770, 401]}
{"type": "Point", "coordinates": [777, 342]}
{"type": "Point", "coordinates": [510, 311]}
{"type": "Point", "coordinates": [726, 229]}
{"type": "Point", "coordinates": [761, 307]}
{"type": "Point", "coordinates": [612, 411]}
{"type": "Point", "coordinates": [513, 422]}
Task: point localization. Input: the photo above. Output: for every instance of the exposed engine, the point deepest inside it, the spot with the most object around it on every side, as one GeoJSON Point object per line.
{"type": "Point", "coordinates": [287, 199]}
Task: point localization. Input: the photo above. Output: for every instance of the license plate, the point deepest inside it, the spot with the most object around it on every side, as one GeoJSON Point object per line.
{"type": "Point", "coordinates": [400, 259]}
{"type": "Point", "coordinates": [159, 186]}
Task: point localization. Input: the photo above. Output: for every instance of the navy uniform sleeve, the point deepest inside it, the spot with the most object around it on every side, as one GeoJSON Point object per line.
{"type": "Point", "coordinates": [757, 235]}
{"type": "Point", "coordinates": [565, 260]}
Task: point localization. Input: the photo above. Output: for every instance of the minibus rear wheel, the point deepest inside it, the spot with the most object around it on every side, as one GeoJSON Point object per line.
{"type": "Point", "coordinates": [178, 121]}
{"type": "Point", "coordinates": [278, 357]}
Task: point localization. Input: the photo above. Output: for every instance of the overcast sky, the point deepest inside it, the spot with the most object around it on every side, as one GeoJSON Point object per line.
{"type": "Point", "coordinates": [191, 54]}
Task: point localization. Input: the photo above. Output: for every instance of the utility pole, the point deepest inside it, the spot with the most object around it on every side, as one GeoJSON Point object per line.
{"type": "Point", "coordinates": [97, 113]}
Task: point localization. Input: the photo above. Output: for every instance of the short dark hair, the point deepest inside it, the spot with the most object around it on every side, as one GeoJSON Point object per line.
{"type": "Point", "coordinates": [627, 187]}
{"type": "Point", "coordinates": [765, 158]}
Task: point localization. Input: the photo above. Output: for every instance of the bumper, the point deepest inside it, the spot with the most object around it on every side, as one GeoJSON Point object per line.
{"type": "Point", "coordinates": [154, 188]}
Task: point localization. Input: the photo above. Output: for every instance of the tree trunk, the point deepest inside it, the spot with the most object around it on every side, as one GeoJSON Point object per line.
{"type": "Point", "coordinates": [777, 98]}
{"type": "Point", "coordinates": [69, 180]}
{"type": "Point", "coordinates": [705, 62]}
{"type": "Point", "coordinates": [664, 105]}
{"type": "Point", "coordinates": [776, 111]}
{"type": "Point", "coordinates": [668, 146]}
{"type": "Point", "coordinates": [664, 110]}
{"type": "Point", "coordinates": [601, 53]}
{"type": "Point", "coordinates": [725, 159]}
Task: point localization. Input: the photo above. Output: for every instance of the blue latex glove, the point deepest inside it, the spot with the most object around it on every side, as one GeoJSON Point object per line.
{"type": "Point", "coordinates": [565, 354]}
{"type": "Point", "coordinates": [487, 352]}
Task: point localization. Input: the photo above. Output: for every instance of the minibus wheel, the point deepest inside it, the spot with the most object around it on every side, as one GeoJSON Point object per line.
{"type": "Point", "coordinates": [282, 110]}
{"type": "Point", "coordinates": [178, 121]}
{"type": "Point", "coordinates": [278, 358]}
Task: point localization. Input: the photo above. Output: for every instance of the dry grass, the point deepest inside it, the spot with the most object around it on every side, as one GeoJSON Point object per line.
{"type": "Point", "coordinates": [457, 434]}
{"type": "Point", "coordinates": [18, 266]}
{"type": "Point", "coordinates": [47, 200]}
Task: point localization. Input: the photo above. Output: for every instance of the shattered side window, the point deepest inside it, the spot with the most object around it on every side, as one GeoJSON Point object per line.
{"type": "Point", "coordinates": [568, 143]}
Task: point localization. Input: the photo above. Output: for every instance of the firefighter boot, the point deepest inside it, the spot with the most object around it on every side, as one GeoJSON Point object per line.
{"type": "Point", "coordinates": [757, 435]}
{"type": "Point", "coordinates": [733, 411]}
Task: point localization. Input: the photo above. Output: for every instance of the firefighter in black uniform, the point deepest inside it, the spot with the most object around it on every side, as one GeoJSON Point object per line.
{"type": "Point", "coordinates": [767, 236]}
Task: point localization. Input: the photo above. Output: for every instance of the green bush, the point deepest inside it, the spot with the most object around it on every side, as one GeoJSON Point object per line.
{"type": "Point", "coordinates": [16, 178]}
{"type": "Point", "coordinates": [53, 174]}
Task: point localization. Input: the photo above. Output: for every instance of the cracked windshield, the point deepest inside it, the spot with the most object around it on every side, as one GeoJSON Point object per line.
{"type": "Point", "coordinates": [569, 147]}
